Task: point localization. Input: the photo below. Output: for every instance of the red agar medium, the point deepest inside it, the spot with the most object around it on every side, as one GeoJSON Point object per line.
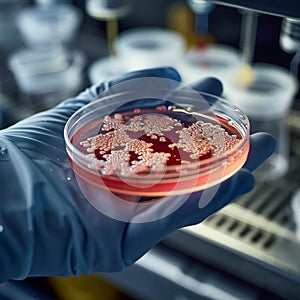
{"type": "Point", "coordinates": [160, 151]}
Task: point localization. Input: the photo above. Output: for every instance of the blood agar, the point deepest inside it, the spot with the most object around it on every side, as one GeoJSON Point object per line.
{"type": "Point", "coordinates": [159, 151]}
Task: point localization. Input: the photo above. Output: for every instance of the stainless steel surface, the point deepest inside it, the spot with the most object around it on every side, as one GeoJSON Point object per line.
{"type": "Point", "coordinates": [254, 237]}
{"type": "Point", "coordinates": [287, 8]}
{"type": "Point", "coordinates": [181, 278]}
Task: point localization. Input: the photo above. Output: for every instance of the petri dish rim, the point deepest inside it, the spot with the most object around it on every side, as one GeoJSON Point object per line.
{"type": "Point", "coordinates": [86, 162]}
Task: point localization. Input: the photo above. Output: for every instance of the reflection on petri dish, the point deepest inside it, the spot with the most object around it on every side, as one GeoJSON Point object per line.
{"type": "Point", "coordinates": [156, 150]}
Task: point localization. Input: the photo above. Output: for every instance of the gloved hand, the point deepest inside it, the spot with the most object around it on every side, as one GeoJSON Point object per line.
{"type": "Point", "coordinates": [48, 228]}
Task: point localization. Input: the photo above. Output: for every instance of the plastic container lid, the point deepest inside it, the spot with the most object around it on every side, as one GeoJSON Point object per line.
{"type": "Point", "coordinates": [148, 47]}
{"type": "Point", "coordinates": [105, 69]}
{"type": "Point", "coordinates": [215, 60]}
{"type": "Point", "coordinates": [41, 25]}
{"type": "Point", "coordinates": [270, 95]}
{"type": "Point", "coordinates": [39, 72]}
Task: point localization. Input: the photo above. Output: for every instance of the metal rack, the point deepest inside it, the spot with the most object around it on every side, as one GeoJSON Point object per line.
{"type": "Point", "coordinates": [254, 237]}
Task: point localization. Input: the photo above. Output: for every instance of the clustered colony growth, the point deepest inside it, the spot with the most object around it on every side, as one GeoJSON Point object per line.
{"type": "Point", "coordinates": [148, 142]}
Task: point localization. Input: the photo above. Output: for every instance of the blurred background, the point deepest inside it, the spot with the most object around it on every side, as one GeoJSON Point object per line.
{"type": "Point", "coordinates": [52, 50]}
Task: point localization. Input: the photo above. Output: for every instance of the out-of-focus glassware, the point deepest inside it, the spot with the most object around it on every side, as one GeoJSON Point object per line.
{"type": "Point", "coordinates": [148, 47]}
{"type": "Point", "coordinates": [47, 77]}
{"type": "Point", "coordinates": [267, 101]}
{"type": "Point", "coordinates": [214, 60]}
{"type": "Point", "coordinates": [46, 24]}
{"type": "Point", "coordinates": [49, 69]}
{"type": "Point", "coordinates": [105, 69]}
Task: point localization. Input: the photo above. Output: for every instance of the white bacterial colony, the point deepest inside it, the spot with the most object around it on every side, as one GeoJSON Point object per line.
{"type": "Point", "coordinates": [121, 148]}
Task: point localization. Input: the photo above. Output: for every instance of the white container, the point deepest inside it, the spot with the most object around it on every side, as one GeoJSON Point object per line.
{"type": "Point", "coordinates": [149, 47]}
{"type": "Point", "coordinates": [269, 96]}
{"type": "Point", "coordinates": [214, 60]}
{"type": "Point", "coordinates": [39, 72]}
{"type": "Point", "coordinates": [267, 102]}
{"type": "Point", "coordinates": [45, 25]}
{"type": "Point", "coordinates": [105, 69]}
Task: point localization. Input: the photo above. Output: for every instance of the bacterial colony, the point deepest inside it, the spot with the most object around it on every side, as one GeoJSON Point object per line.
{"type": "Point", "coordinates": [149, 141]}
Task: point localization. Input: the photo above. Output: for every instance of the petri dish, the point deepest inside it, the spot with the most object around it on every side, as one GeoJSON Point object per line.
{"type": "Point", "coordinates": [172, 143]}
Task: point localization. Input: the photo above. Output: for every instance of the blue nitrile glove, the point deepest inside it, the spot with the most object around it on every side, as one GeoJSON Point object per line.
{"type": "Point", "coordinates": [48, 228]}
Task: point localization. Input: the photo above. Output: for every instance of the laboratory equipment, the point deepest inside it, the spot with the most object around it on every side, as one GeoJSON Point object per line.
{"type": "Point", "coordinates": [202, 10]}
{"type": "Point", "coordinates": [254, 238]}
{"type": "Point", "coordinates": [49, 23]}
{"type": "Point", "coordinates": [48, 70]}
{"type": "Point", "coordinates": [295, 206]}
{"type": "Point", "coordinates": [148, 47]}
{"type": "Point", "coordinates": [216, 60]}
{"type": "Point", "coordinates": [105, 68]}
{"type": "Point", "coordinates": [271, 94]}
{"type": "Point", "coordinates": [105, 9]}
{"type": "Point", "coordinates": [289, 8]}
{"type": "Point", "coordinates": [47, 77]}
{"type": "Point", "coordinates": [267, 101]}
{"type": "Point", "coordinates": [110, 12]}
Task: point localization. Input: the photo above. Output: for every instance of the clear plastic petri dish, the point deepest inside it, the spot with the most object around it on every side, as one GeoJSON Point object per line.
{"type": "Point", "coordinates": [136, 145]}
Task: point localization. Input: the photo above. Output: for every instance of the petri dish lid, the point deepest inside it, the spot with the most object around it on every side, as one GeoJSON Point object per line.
{"type": "Point", "coordinates": [269, 96]}
{"type": "Point", "coordinates": [105, 69]}
{"type": "Point", "coordinates": [40, 25]}
{"type": "Point", "coordinates": [149, 47]}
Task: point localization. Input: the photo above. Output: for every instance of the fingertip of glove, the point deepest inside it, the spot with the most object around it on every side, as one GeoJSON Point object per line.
{"type": "Point", "coordinates": [164, 72]}
{"type": "Point", "coordinates": [210, 85]}
{"type": "Point", "coordinates": [267, 141]}
{"type": "Point", "coordinates": [244, 181]}
{"type": "Point", "coordinates": [262, 145]}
